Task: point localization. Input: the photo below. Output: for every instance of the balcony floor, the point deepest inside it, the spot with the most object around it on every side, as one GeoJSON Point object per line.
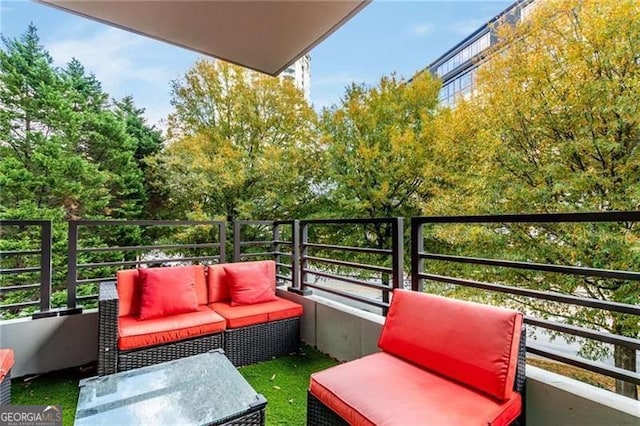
{"type": "Point", "coordinates": [283, 382]}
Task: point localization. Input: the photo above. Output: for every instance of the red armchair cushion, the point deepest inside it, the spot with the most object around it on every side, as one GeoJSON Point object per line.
{"type": "Point", "coordinates": [251, 282]}
{"type": "Point", "coordinates": [167, 291]}
{"type": "Point", "coordinates": [244, 315]}
{"type": "Point", "coordinates": [381, 389]}
{"type": "Point", "coordinates": [474, 344]}
{"type": "Point", "coordinates": [128, 286]}
{"type": "Point", "coordinates": [6, 362]}
{"type": "Point", "coordinates": [134, 333]}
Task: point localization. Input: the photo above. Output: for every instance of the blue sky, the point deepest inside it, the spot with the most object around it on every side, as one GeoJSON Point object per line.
{"type": "Point", "coordinates": [386, 37]}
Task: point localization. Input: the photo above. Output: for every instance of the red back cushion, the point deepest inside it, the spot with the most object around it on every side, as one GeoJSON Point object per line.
{"type": "Point", "coordinates": [468, 342]}
{"type": "Point", "coordinates": [128, 286]}
{"type": "Point", "coordinates": [129, 289]}
{"type": "Point", "coordinates": [251, 282]}
{"type": "Point", "coordinates": [169, 291]}
{"type": "Point", "coordinates": [217, 284]}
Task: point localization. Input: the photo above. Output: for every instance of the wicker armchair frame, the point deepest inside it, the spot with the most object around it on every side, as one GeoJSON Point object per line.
{"type": "Point", "coordinates": [319, 414]}
{"type": "Point", "coordinates": [5, 389]}
{"type": "Point", "coordinates": [112, 360]}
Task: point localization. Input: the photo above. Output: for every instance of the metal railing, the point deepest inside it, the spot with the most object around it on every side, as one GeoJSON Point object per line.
{"type": "Point", "coordinates": [269, 239]}
{"type": "Point", "coordinates": [43, 267]}
{"type": "Point", "coordinates": [385, 260]}
{"type": "Point", "coordinates": [535, 227]}
{"type": "Point", "coordinates": [75, 252]}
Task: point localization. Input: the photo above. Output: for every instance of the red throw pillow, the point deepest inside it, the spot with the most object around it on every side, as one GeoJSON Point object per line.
{"type": "Point", "coordinates": [167, 291]}
{"type": "Point", "coordinates": [250, 283]}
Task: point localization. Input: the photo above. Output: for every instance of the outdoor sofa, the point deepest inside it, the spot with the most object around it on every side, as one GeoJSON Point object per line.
{"type": "Point", "coordinates": [443, 362]}
{"type": "Point", "coordinates": [6, 363]}
{"type": "Point", "coordinates": [152, 315]}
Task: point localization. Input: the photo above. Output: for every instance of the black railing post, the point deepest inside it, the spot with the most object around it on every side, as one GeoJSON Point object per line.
{"type": "Point", "coordinates": [300, 236]}
{"type": "Point", "coordinates": [237, 228]}
{"type": "Point", "coordinates": [397, 246]}
{"type": "Point", "coordinates": [417, 247]}
{"type": "Point", "coordinates": [275, 246]}
{"type": "Point", "coordinates": [72, 269]}
{"type": "Point", "coordinates": [222, 238]}
{"type": "Point", "coordinates": [297, 276]}
{"type": "Point", "coordinates": [45, 266]}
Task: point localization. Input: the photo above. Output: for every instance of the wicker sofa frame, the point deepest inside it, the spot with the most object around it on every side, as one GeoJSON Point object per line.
{"type": "Point", "coordinates": [112, 360]}
{"type": "Point", "coordinates": [319, 414]}
{"type": "Point", "coordinates": [262, 342]}
{"type": "Point", "coordinates": [5, 389]}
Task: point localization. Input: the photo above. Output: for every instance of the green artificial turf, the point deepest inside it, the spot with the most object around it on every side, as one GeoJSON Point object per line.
{"type": "Point", "coordinates": [283, 382]}
{"type": "Point", "coordinates": [58, 388]}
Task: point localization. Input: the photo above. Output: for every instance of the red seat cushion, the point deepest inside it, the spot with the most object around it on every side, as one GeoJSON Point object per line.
{"type": "Point", "coordinates": [136, 333]}
{"type": "Point", "coordinates": [6, 362]}
{"type": "Point", "coordinates": [128, 286]}
{"type": "Point", "coordinates": [242, 316]}
{"type": "Point", "coordinates": [381, 389]}
{"type": "Point", "coordinates": [472, 343]}
{"type": "Point", "coordinates": [167, 291]}
{"type": "Point", "coordinates": [251, 282]}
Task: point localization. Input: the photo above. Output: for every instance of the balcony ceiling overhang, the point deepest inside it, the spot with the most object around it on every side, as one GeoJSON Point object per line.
{"type": "Point", "coordinates": [266, 36]}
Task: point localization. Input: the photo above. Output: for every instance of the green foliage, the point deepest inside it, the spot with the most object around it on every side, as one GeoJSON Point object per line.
{"type": "Point", "coordinates": [242, 145]}
{"type": "Point", "coordinates": [66, 153]}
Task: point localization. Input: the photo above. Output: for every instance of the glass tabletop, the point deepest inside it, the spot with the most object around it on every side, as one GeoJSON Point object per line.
{"type": "Point", "coordinates": [197, 390]}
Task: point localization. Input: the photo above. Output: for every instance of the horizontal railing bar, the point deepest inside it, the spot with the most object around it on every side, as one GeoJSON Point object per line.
{"type": "Point", "coordinates": [283, 222]}
{"type": "Point", "coordinates": [20, 304]}
{"type": "Point", "coordinates": [19, 252]}
{"type": "Point", "coordinates": [284, 265]}
{"type": "Point", "coordinates": [90, 296]}
{"type": "Point", "coordinates": [571, 270]}
{"type": "Point", "coordinates": [12, 222]}
{"type": "Point", "coordinates": [348, 295]}
{"type": "Point", "coordinates": [126, 222]}
{"type": "Point", "coordinates": [349, 248]}
{"type": "Point", "coordinates": [255, 222]}
{"type": "Point", "coordinates": [282, 277]}
{"type": "Point", "coordinates": [347, 280]}
{"type": "Point", "coordinates": [375, 268]}
{"type": "Point", "coordinates": [95, 280]}
{"type": "Point", "coordinates": [623, 216]}
{"type": "Point", "coordinates": [139, 262]}
{"type": "Point", "coordinates": [281, 253]}
{"type": "Point", "coordinates": [268, 253]}
{"type": "Point", "coordinates": [283, 242]}
{"type": "Point", "coordinates": [537, 294]}
{"type": "Point", "coordinates": [18, 287]}
{"type": "Point", "coordinates": [347, 221]}
{"type": "Point", "coordinates": [614, 372]}
{"type": "Point", "coordinates": [254, 243]}
{"type": "Point", "coordinates": [150, 247]}
{"type": "Point", "coordinates": [19, 270]}
{"type": "Point", "coordinates": [584, 332]}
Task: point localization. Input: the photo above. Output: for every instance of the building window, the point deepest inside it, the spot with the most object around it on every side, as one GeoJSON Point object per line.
{"type": "Point", "coordinates": [465, 54]}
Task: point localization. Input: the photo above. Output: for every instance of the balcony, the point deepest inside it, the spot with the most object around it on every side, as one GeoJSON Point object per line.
{"type": "Point", "coordinates": [345, 283]}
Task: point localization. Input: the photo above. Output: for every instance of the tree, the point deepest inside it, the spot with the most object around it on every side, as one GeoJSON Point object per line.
{"type": "Point", "coordinates": [379, 141]}
{"type": "Point", "coordinates": [557, 114]}
{"type": "Point", "coordinates": [241, 145]}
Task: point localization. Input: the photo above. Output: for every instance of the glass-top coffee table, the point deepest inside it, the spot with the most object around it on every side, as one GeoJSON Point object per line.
{"type": "Point", "coordinates": [204, 389]}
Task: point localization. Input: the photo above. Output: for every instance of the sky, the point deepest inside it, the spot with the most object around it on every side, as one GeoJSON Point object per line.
{"type": "Point", "coordinates": [386, 37]}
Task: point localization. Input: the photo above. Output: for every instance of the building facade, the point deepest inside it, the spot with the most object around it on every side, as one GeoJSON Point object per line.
{"type": "Point", "coordinates": [300, 73]}
{"type": "Point", "coordinates": [457, 67]}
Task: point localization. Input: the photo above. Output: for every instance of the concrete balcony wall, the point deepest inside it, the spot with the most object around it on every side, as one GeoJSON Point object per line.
{"type": "Point", "coordinates": [340, 331]}
{"type": "Point", "coordinates": [50, 344]}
